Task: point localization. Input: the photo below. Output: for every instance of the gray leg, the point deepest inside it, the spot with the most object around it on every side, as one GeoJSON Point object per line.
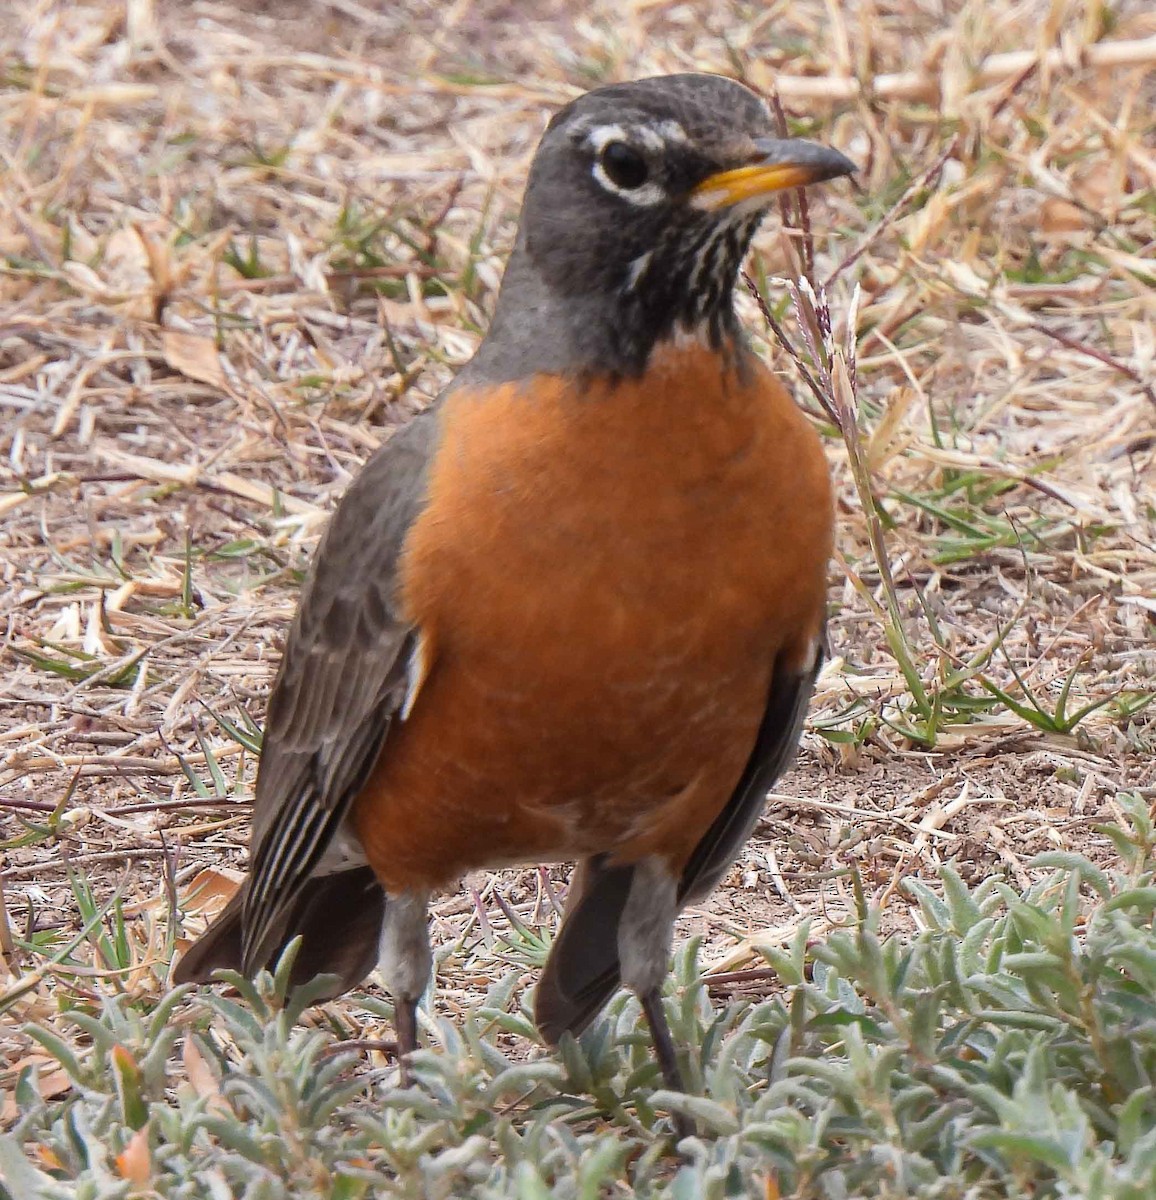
{"type": "Point", "coordinates": [405, 1019]}
{"type": "Point", "coordinates": [644, 936]}
{"type": "Point", "coordinates": [405, 962]}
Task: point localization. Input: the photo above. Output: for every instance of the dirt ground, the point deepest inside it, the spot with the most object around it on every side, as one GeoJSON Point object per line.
{"type": "Point", "coordinates": [241, 243]}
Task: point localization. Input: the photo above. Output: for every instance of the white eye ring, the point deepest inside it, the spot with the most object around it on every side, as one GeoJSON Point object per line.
{"type": "Point", "coordinates": [644, 197]}
{"type": "Point", "coordinates": [647, 195]}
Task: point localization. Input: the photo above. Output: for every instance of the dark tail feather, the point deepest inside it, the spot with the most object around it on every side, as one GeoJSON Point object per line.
{"type": "Point", "coordinates": [337, 916]}
{"type": "Point", "coordinates": [582, 972]}
{"type": "Point", "coordinates": [218, 947]}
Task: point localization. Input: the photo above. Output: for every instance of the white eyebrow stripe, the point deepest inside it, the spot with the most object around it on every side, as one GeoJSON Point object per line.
{"type": "Point", "coordinates": [654, 137]}
{"type": "Point", "coordinates": [671, 131]}
{"type": "Point", "coordinates": [602, 135]}
{"type": "Point", "coordinates": [650, 136]}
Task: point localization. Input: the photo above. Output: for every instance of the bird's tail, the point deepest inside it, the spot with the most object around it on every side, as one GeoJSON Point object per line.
{"type": "Point", "coordinates": [338, 918]}
{"type": "Point", "coordinates": [582, 971]}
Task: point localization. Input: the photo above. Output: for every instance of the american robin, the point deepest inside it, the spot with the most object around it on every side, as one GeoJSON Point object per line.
{"type": "Point", "coordinates": [575, 609]}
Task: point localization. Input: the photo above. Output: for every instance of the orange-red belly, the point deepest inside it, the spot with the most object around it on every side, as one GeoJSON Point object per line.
{"type": "Point", "coordinates": [602, 582]}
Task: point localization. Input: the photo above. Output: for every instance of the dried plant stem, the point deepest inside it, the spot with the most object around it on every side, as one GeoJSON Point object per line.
{"type": "Point", "coordinates": [785, 341]}
{"type": "Point", "coordinates": [1108, 360]}
{"type": "Point", "coordinates": [925, 85]}
{"type": "Point", "coordinates": [846, 406]}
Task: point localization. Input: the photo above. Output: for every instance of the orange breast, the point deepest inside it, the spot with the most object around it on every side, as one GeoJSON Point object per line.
{"type": "Point", "coordinates": [603, 580]}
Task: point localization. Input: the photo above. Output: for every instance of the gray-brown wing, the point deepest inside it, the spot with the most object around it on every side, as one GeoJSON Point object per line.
{"type": "Point", "coordinates": [343, 677]}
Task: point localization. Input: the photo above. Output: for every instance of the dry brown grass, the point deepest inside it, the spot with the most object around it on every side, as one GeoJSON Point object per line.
{"type": "Point", "coordinates": [241, 242]}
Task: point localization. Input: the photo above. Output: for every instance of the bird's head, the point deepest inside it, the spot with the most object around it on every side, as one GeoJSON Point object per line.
{"type": "Point", "coordinates": [640, 205]}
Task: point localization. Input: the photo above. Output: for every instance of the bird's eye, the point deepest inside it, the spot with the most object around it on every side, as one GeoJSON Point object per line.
{"type": "Point", "coordinates": [624, 166]}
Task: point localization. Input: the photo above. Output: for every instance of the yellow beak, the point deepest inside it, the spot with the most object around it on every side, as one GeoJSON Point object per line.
{"type": "Point", "coordinates": [782, 163]}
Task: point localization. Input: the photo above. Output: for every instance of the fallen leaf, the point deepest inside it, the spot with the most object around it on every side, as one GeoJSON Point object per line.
{"type": "Point", "coordinates": [1061, 216]}
{"type": "Point", "coordinates": [195, 357]}
{"type": "Point", "coordinates": [51, 1083]}
{"type": "Point", "coordinates": [210, 890]}
{"type": "Point", "coordinates": [124, 266]}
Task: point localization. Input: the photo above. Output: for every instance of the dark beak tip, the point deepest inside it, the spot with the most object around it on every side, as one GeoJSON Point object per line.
{"type": "Point", "coordinates": [842, 164]}
{"type": "Point", "coordinates": [825, 161]}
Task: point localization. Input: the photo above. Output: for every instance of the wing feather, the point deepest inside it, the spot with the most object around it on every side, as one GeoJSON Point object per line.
{"type": "Point", "coordinates": [343, 678]}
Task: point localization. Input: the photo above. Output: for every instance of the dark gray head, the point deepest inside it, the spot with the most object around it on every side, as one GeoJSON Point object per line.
{"type": "Point", "coordinates": [640, 205]}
